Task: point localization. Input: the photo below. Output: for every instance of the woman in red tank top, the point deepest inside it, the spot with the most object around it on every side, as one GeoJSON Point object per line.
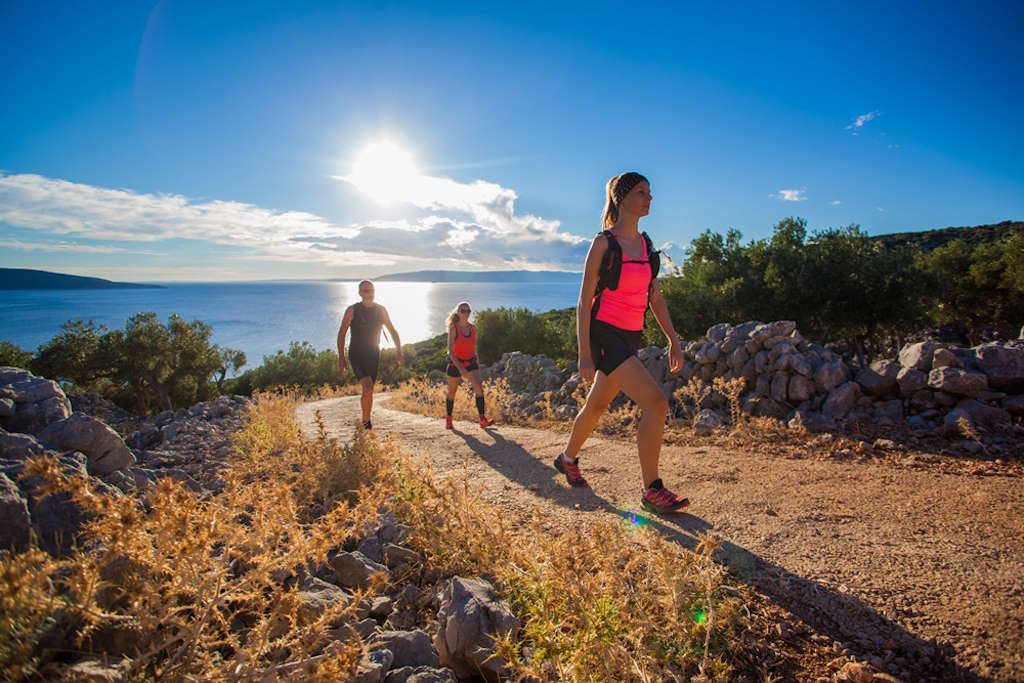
{"type": "Point", "coordinates": [610, 337]}
{"type": "Point", "coordinates": [462, 362]}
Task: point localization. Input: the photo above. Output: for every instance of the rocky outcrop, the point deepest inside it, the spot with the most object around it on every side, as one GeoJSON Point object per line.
{"type": "Point", "coordinates": [810, 386]}
{"type": "Point", "coordinates": [31, 402]}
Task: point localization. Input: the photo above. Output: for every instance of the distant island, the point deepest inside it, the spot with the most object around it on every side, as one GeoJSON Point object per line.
{"type": "Point", "coordinates": [25, 278]}
{"type": "Point", "coordinates": [481, 276]}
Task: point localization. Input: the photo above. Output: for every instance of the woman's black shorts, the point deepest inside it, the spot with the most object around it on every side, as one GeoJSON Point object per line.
{"type": "Point", "coordinates": [470, 365]}
{"type": "Point", "coordinates": [364, 362]}
{"type": "Point", "coordinates": [611, 346]}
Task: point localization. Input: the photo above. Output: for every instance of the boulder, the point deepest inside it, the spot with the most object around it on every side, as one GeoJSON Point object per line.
{"type": "Point", "coordinates": [880, 379]}
{"type": "Point", "coordinates": [104, 448]}
{"type": "Point", "coordinates": [919, 355]}
{"type": "Point", "coordinates": [779, 328]}
{"type": "Point", "coordinates": [769, 407]}
{"type": "Point", "coordinates": [469, 618]}
{"type": "Point", "coordinates": [706, 421]}
{"type": "Point", "coordinates": [977, 414]}
{"type": "Point", "coordinates": [36, 401]}
{"type": "Point", "coordinates": [811, 421]}
{"type": "Point", "coordinates": [944, 358]}
{"type": "Point", "coordinates": [738, 358]}
{"type": "Point", "coordinates": [354, 570]}
{"type": "Point", "coordinates": [410, 648]}
{"type": "Point", "coordinates": [18, 447]}
{"type": "Point", "coordinates": [1014, 405]}
{"type": "Point", "coordinates": [420, 674]}
{"type": "Point", "coordinates": [841, 400]}
{"type": "Point", "coordinates": [911, 381]}
{"type": "Point", "coordinates": [316, 596]}
{"type": "Point", "coordinates": [779, 387]}
{"type": "Point", "coordinates": [800, 388]}
{"type": "Point", "coordinates": [717, 333]}
{"type": "Point", "coordinates": [16, 530]}
{"type": "Point", "coordinates": [801, 365]}
{"type": "Point", "coordinates": [953, 380]}
{"type": "Point", "coordinates": [6, 407]}
{"type": "Point", "coordinates": [829, 375]}
{"type": "Point", "coordinates": [708, 353]}
{"type": "Point", "coordinates": [1003, 364]}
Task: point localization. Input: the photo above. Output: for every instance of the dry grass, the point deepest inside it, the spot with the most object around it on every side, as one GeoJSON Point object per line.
{"type": "Point", "coordinates": [205, 587]}
{"type": "Point", "coordinates": [426, 397]}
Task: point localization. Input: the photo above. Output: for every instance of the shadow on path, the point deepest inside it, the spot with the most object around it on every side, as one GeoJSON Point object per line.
{"type": "Point", "coordinates": [841, 616]}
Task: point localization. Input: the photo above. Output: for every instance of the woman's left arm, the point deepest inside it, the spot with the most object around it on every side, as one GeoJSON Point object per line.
{"type": "Point", "coordinates": [660, 310]}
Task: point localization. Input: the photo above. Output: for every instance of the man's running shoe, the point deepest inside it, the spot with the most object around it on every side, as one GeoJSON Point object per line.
{"type": "Point", "coordinates": [660, 500]}
{"type": "Point", "coordinates": [448, 423]}
{"type": "Point", "coordinates": [571, 470]}
{"type": "Point", "coordinates": [486, 422]}
{"type": "Point", "coordinates": [367, 425]}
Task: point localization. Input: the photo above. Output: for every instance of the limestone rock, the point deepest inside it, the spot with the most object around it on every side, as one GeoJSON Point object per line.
{"type": "Point", "coordinates": [829, 375]}
{"type": "Point", "coordinates": [944, 358]}
{"type": "Point", "coordinates": [841, 400]}
{"type": "Point", "coordinates": [800, 389]}
{"type": "Point", "coordinates": [354, 570]}
{"type": "Point", "coordinates": [880, 379]}
{"type": "Point", "coordinates": [956, 381]}
{"type": "Point", "coordinates": [706, 421]}
{"type": "Point", "coordinates": [16, 529]}
{"type": "Point", "coordinates": [410, 648]}
{"type": "Point", "coordinates": [919, 355]}
{"type": "Point", "coordinates": [977, 414]}
{"type": "Point", "coordinates": [18, 447]}
{"type": "Point", "coordinates": [469, 618]}
{"type": "Point", "coordinates": [1003, 364]}
{"type": "Point", "coordinates": [911, 381]}
{"type": "Point", "coordinates": [103, 446]}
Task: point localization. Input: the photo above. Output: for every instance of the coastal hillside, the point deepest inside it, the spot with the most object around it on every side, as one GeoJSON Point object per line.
{"type": "Point", "coordinates": [927, 240]}
{"type": "Point", "coordinates": [26, 278]}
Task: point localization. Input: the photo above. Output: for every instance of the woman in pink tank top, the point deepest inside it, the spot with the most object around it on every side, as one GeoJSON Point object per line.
{"type": "Point", "coordinates": [609, 325]}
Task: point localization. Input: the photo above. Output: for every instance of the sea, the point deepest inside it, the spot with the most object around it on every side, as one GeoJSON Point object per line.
{"type": "Point", "coordinates": [261, 318]}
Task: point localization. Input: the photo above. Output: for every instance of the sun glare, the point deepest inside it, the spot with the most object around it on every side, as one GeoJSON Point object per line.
{"type": "Point", "coordinates": [384, 171]}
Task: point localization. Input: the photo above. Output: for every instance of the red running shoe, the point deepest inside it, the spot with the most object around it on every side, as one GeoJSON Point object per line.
{"type": "Point", "coordinates": [486, 422]}
{"type": "Point", "coordinates": [571, 470]}
{"type": "Point", "coordinates": [662, 501]}
{"type": "Point", "coordinates": [448, 423]}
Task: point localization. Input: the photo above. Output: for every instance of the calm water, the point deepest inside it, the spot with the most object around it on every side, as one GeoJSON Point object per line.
{"type": "Point", "coordinates": [262, 317]}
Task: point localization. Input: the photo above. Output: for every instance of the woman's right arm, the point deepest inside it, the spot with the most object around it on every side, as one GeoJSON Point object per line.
{"type": "Point", "coordinates": [591, 272]}
{"type": "Point", "coordinates": [346, 321]}
{"type": "Point", "coordinates": [451, 344]}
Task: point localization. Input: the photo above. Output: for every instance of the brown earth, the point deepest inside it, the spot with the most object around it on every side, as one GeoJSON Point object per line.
{"type": "Point", "coordinates": [918, 571]}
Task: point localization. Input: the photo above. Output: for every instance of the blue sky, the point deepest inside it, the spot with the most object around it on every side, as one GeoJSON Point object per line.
{"type": "Point", "coordinates": [180, 141]}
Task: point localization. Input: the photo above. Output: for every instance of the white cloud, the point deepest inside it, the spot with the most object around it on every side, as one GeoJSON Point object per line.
{"type": "Point", "coordinates": [790, 195]}
{"type": "Point", "coordinates": [467, 225]}
{"type": "Point", "coordinates": [835, 202]}
{"type": "Point", "coordinates": [880, 209]}
{"type": "Point", "coordinates": [859, 122]}
{"type": "Point", "coordinates": [72, 247]}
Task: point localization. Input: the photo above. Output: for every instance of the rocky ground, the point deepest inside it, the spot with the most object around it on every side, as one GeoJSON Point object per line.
{"type": "Point", "coordinates": [916, 570]}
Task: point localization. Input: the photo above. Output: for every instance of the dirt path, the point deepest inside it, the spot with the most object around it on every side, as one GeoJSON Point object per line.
{"type": "Point", "coordinates": [919, 572]}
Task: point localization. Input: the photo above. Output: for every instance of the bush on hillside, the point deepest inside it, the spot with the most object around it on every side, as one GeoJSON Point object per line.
{"type": "Point", "coordinates": [14, 356]}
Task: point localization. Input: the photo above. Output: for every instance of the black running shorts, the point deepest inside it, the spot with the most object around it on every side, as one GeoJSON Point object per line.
{"type": "Point", "coordinates": [364, 362]}
{"type": "Point", "coordinates": [470, 365]}
{"type": "Point", "coordinates": [611, 346]}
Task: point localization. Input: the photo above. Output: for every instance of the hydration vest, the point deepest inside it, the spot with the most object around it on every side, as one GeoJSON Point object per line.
{"type": "Point", "coordinates": [611, 267]}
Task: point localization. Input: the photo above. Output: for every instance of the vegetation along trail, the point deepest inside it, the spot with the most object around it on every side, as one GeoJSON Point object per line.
{"type": "Point", "coordinates": [916, 571]}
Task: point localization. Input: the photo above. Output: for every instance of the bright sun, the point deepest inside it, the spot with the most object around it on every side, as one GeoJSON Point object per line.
{"type": "Point", "coordinates": [384, 171]}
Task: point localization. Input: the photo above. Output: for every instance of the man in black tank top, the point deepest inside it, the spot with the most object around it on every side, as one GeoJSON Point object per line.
{"type": "Point", "coordinates": [366, 320]}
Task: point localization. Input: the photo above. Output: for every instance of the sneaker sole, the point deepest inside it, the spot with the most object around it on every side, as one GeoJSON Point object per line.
{"type": "Point", "coordinates": [665, 511]}
{"type": "Point", "coordinates": [561, 468]}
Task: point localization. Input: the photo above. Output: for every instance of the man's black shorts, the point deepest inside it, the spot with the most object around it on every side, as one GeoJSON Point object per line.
{"type": "Point", "coordinates": [611, 346]}
{"type": "Point", "coordinates": [469, 365]}
{"type": "Point", "coordinates": [364, 362]}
